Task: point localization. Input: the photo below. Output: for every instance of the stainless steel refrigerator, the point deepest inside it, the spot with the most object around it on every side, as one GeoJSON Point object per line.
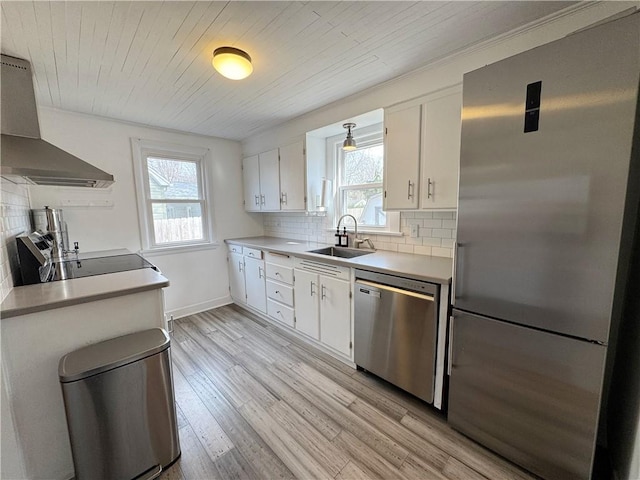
{"type": "Point", "coordinates": [543, 241]}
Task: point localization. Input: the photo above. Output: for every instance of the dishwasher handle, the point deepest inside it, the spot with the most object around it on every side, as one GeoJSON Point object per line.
{"type": "Point", "coordinates": [371, 288]}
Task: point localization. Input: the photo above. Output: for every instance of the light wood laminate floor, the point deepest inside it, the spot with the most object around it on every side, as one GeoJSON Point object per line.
{"type": "Point", "coordinates": [255, 402]}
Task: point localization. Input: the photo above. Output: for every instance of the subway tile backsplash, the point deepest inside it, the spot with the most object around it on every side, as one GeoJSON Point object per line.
{"type": "Point", "coordinates": [14, 205]}
{"type": "Point", "coordinates": [436, 231]}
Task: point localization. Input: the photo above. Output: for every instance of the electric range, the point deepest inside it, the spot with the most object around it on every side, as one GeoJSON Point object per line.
{"type": "Point", "coordinates": [37, 265]}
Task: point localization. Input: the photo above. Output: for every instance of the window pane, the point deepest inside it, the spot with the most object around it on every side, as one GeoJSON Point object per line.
{"type": "Point", "coordinates": [363, 165]}
{"type": "Point", "coordinates": [366, 206]}
{"type": "Point", "coordinates": [177, 222]}
{"type": "Point", "coordinates": [173, 179]}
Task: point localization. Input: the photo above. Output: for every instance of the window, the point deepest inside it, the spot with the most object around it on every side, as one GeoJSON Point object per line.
{"type": "Point", "coordinates": [172, 195]}
{"type": "Point", "coordinates": [360, 185]}
{"type": "Point", "coordinates": [359, 175]}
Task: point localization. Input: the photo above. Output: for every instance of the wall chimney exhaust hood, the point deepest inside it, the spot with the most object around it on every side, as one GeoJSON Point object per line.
{"type": "Point", "coordinates": [24, 153]}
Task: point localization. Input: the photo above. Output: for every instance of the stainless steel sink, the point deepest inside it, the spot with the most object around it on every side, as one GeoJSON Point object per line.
{"type": "Point", "coordinates": [340, 252]}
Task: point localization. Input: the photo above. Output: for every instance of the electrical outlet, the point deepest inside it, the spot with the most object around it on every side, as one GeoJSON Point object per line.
{"type": "Point", "coordinates": [414, 230]}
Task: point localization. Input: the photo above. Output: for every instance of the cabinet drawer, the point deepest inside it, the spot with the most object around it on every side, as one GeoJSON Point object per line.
{"type": "Point", "coordinates": [280, 312]}
{"type": "Point", "coordinates": [279, 292]}
{"type": "Point", "coordinates": [252, 252]}
{"type": "Point", "coordinates": [279, 259]}
{"type": "Point", "coordinates": [235, 248]}
{"type": "Point", "coordinates": [280, 273]}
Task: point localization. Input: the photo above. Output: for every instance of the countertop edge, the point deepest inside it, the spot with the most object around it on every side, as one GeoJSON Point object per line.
{"type": "Point", "coordinates": [159, 282]}
{"type": "Point", "coordinates": [361, 262]}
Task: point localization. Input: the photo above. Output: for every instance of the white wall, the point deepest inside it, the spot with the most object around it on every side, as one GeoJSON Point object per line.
{"type": "Point", "coordinates": [198, 279]}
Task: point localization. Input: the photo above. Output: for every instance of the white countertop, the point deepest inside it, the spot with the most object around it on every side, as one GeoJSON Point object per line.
{"type": "Point", "coordinates": [418, 267]}
{"type": "Point", "coordinates": [46, 296]}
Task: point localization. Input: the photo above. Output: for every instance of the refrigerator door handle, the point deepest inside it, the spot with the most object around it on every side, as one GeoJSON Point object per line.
{"type": "Point", "coordinates": [450, 345]}
{"type": "Point", "coordinates": [458, 272]}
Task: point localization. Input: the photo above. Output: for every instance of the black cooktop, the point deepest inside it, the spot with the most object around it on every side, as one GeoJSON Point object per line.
{"type": "Point", "coordinates": [98, 266]}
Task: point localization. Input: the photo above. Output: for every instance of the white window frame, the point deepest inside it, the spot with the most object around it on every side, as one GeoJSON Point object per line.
{"type": "Point", "coordinates": [143, 149]}
{"type": "Point", "coordinates": [365, 137]}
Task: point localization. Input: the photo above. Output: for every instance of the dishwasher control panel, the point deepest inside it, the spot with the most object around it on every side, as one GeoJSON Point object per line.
{"type": "Point", "coordinates": [399, 282]}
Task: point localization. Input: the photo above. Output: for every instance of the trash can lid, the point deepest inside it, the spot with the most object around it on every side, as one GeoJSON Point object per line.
{"type": "Point", "coordinates": [109, 354]}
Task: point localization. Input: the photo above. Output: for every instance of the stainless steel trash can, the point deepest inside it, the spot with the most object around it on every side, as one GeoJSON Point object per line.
{"type": "Point", "coordinates": [119, 401]}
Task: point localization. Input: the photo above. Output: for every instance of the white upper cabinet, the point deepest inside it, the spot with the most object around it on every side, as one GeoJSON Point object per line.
{"type": "Point", "coordinates": [292, 177]}
{"type": "Point", "coordinates": [261, 179]}
{"type": "Point", "coordinates": [422, 152]}
{"type": "Point", "coordinates": [441, 122]}
{"type": "Point", "coordinates": [401, 157]}
{"type": "Point", "coordinates": [275, 180]}
{"type": "Point", "coordinates": [251, 180]}
{"type": "Point", "coordinates": [270, 180]}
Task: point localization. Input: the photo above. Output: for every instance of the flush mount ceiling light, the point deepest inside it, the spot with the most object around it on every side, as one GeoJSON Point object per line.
{"type": "Point", "coordinates": [232, 63]}
{"type": "Point", "coordinates": [349, 143]}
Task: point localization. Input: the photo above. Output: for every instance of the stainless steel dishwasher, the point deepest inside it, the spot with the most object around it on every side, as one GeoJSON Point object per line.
{"type": "Point", "coordinates": [396, 321]}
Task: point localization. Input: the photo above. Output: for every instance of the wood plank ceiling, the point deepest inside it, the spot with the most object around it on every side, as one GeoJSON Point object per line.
{"type": "Point", "coordinates": [150, 62]}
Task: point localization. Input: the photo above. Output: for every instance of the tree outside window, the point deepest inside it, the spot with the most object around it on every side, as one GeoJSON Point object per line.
{"type": "Point", "coordinates": [360, 184]}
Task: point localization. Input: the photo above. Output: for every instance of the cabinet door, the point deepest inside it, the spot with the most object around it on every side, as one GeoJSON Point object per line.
{"type": "Point", "coordinates": [441, 151]}
{"type": "Point", "coordinates": [255, 281]}
{"type": "Point", "coordinates": [251, 183]}
{"type": "Point", "coordinates": [335, 314]}
{"type": "Point", "coordinates": [270, 180]}
{"type": "Point", "coordinates": [305, 291]}
{"type": "Point", "coordinates": [292, 181]}
{"type": "Point", "coordinates": [401, 158]}
{"type": "Point", "coordinates": [236, 277]}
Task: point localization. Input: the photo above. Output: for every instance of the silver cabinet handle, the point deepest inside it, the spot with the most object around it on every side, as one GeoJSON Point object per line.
{"type": "Point", "coordinates": [260, 272]}
{"type": "Point", "coordinates": [278, 274]}
{"type": "Point", "coordinates": [257, 197]}
{"type": "Point", "coordinates": [262, 200]}
{"type": "Point", "coordinates": [429, 183]}
{"type": "Point", "coordinates": [240, 267]}
{"type": "Point", "coordinates": [278, 292]}
{"type": "Point", "coordinates": [283, 198]}
{"type": "Point", "coordinates": [410, 190]}
{"type": "Point", "coordinates": [324, 292]}
{"type": "Point", "coordinates": [312, 292]}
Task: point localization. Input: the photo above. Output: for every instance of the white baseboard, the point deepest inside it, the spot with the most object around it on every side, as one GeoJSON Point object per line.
{"type": "Point", "coordinates": [199, 307]}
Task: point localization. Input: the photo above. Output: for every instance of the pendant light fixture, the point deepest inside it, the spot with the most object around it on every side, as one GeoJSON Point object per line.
{"type": "Point", "coordinates": [232, 62]}
{"type": "Point", "coordinates": [349, 143]}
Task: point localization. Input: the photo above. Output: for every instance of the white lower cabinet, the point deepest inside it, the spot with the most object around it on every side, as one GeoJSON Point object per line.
{"type": "Point", "coordinates": [236, 277]}
{"type": "Point", "coordinates": [335, 314]}
{"type": "Point", "coordinates": [307, 304]}
{"type": "Point", "coordinates": [323, 305]}
{"type": "Point", "coordinates": [255, 283]}
{"type": "Point", "coordinates": [281, 312]}
{"type": "Point", "coordinates": [247, 279]}
{"type": "Point", "coordinates": [280, 288]}
{"type": "Point", "coordinates": [311, 297]}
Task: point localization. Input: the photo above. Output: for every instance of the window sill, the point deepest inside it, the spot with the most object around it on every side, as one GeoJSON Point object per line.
{"type": "Point", "coordinates": [179, 249]}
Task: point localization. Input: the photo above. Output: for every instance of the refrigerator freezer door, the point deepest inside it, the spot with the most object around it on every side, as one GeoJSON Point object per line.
{"type": "Point", "coordinates": [540, 213]}
{"type": "Point", "coordinates": [529, 395]}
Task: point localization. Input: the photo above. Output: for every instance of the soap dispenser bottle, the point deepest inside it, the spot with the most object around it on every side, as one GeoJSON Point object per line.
{"type": "Point", "coordinates": [338, 237]}
{"type": "Point", "coordinates": [344, 238]}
